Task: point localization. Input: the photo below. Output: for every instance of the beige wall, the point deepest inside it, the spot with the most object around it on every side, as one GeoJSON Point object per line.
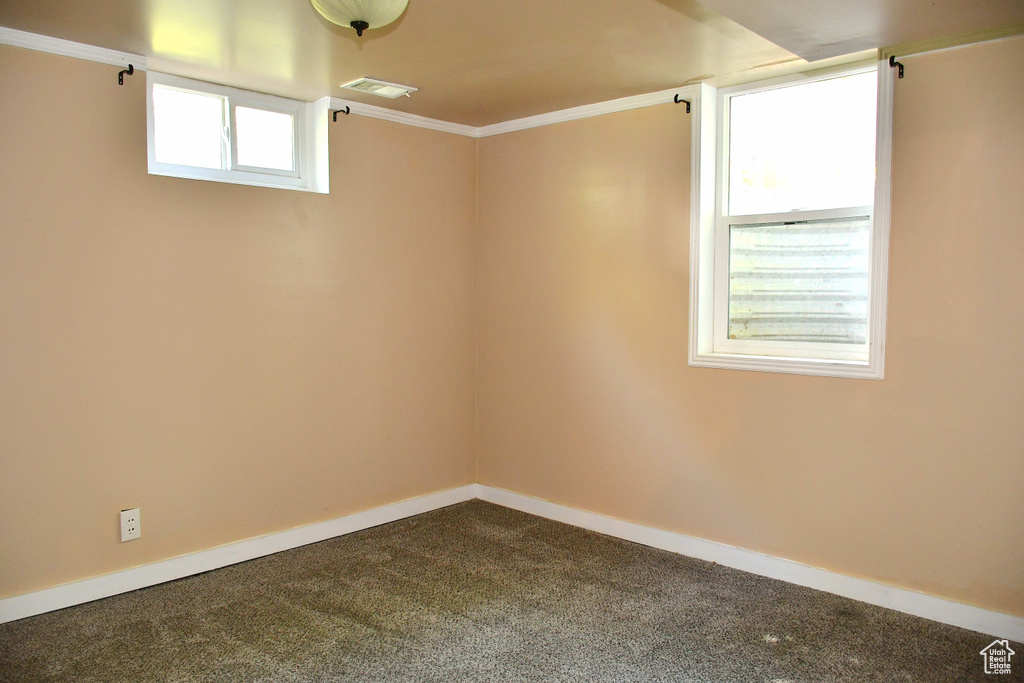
{"type": "Point", "coordinates": [234, 360]}
{"type": "Point", "coordinates": [585, 398]}
{"type": "Point", "coordinates": [238, 361]}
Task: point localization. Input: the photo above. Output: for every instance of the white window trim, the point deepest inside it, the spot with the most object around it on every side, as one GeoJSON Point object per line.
{"type": "Point", "coordinates": [704, 195]}
{"type": "Point", "coordinates": [311, 172]}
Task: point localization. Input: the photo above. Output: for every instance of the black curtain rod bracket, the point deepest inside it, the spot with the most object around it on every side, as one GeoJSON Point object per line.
{"type": "Point", "coordinates": [894, 63]}
{"type": "Point", "coordinates": [680, 101]}
{"type": "Point", "coordinates": [346, 111]}
{"type": "Point", "coordinates": [120, 77]}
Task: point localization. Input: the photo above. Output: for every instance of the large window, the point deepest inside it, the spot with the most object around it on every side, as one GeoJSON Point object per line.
{"type": "Point", "coordinates": [791, 271]}
{"type": "Point", "coordinates": [209, 132]}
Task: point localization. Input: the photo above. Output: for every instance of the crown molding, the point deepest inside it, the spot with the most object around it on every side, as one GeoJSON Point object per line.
{"type": "Point", "coordinates": [588, 110]}
{"type": "Point", "coordinates": [585, 111]}
{"type": "Point", "coordinates": [951, 42]}
{"type": "Point", "coordinates": [375, 112]}
{"type": "Point", "coordinates": [67, 48]}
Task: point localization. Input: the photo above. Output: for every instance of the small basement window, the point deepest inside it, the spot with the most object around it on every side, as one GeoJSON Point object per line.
{"type": "Point", "coordinates": [210, 132]}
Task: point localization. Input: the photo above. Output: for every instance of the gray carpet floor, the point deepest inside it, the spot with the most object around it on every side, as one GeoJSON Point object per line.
{"type": "Point", "coordinates": [477, 592]}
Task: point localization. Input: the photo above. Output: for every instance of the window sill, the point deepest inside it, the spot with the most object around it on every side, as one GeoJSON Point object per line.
{"type": "Point", "coordinates": [236, 178]}
{"type": "Point", "coordinates": [792, 366]}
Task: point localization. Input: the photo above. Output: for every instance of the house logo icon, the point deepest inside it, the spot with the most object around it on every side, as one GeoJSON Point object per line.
{"type": "Point", "coordinates": [997, 657]}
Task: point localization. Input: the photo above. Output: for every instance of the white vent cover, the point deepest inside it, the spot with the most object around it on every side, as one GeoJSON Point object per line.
{"type": "Point", "coordinates": [382, 88]}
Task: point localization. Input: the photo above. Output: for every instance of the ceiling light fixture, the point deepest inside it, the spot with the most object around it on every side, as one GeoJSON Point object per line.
{"type": "Point", "coordinates": [360, 14]}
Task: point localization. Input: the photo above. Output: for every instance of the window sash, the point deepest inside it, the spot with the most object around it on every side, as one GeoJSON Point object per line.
{"type": "Point", "coordinates": [772, 349]}
{"type": "Point", "coordinates": [294, 112]}
{"type": "Point", "coordinates": [763, 347]}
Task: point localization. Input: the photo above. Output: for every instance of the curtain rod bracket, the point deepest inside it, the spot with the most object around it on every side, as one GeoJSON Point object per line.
{"type": "Point", "coordinates": [120, 77]}
{"type": "Point", "coordinates": [679, 101]}
{"type": "Point", "coordinates": [346, 111]}
{"type": "Point", "coordinates": [894, 63]}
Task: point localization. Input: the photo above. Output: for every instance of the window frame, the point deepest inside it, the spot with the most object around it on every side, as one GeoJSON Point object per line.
{"type": "Point", "coordinates": [309, 138]}
{"type": "Point", "coordinates": [297, 152]}
{"type": "Point", "coordinates": [709, 345]}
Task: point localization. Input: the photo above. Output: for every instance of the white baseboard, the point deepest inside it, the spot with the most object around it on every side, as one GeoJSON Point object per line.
{"type": "Point", "coordinates": [899, 599]}
{"type": "Point", "coordinates": [106, 585]}
{"type": "Point", "coordinates": [902, 600]}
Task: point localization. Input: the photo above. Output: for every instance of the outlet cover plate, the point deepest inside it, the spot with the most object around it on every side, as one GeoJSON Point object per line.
{"type": "Point", "coordinates": [131, 524]}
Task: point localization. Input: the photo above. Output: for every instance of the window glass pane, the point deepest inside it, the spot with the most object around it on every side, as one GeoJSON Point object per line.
{"type": "Point", "coordinates": [188, 128]}
{"type": "Point", "coordinates": [265, 138]}
{"type": "Point", "coordinates": [805, 282]}
{"type": "Point", "coordinates": [803, 147]}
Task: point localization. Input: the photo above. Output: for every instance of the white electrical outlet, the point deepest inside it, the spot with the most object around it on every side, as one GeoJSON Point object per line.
{"type": "Point", "coordinates": [131, 524]}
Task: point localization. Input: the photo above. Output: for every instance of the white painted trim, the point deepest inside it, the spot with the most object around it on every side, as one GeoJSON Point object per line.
{"type": "Point", "coordinates": [688, 92]}
{"type": "Point", "coordinates": [899, 599]}
{"type": "Point", "coordinates": [703, 141]}
{"type": "Point", "coordinates": [67, 48]}
{"type": "Point", "coordinates": [881, 218]}
{"type": "Point", "coordinates": [787, 366]}
{"type": "Point", "coordinates": [375, 112]}
{"type": "Point", "coordinates": [69, 594]}
{"type": "Point", "coordinates": [318, 145]}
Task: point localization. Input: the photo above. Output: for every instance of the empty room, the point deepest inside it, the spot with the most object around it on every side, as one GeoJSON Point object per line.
{"type": "Point", "coordinates": [449, 340]}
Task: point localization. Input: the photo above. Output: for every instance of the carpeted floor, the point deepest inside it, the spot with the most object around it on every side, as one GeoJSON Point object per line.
{"type": "Point", "coordinates": [477, 592]}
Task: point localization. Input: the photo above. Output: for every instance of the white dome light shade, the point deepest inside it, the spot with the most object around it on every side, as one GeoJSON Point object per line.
{"type": "Point", "coordinates": [360, 14]}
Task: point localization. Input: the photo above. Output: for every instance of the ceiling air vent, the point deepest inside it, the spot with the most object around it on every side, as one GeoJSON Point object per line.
{"type": "Point", "coordinates": [382, 88]}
